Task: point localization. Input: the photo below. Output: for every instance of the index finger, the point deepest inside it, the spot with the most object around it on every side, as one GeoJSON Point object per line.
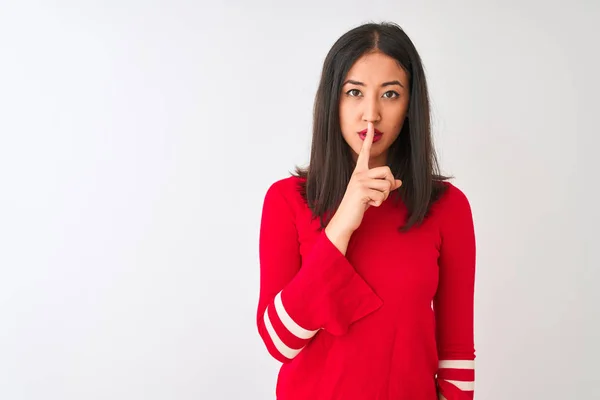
{"type": "Point", "coordinates": [362, 162]}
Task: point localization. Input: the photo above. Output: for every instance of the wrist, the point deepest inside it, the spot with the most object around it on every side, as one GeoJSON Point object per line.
{"type": "Point", "coordinates": [338, 236]}
{"type": "Point", "coordinates": [335, 234]}
{"type": "Point", "coordinates": [337, 230]}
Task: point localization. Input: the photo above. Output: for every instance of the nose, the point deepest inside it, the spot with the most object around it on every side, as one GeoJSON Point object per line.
{"type": "Point", "coordinates": [371, 110]}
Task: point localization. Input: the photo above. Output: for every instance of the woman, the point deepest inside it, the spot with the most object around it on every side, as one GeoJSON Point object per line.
{"type": "Point", "coordinates": [367, 257]}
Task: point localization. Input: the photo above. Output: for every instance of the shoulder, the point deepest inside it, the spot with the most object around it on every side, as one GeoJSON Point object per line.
{"type": "Point", "coordinates": [453, 195]}
{"type": "Point", "coordinates": [452, 204]}
{"type": "Point", "coordinates": [286, 185]}
{"type": "Point", "coordinates": [285, 191]}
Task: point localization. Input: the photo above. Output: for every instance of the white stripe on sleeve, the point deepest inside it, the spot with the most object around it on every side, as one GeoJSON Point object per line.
{"type": "Point", "coordinates": [285, 350]}
{"type": "Point", "coordinates": [463, 385]}
{"type": "Point", "coordinates": [457, 364]}
{"type": "Point", "coordinates": [289, 323]}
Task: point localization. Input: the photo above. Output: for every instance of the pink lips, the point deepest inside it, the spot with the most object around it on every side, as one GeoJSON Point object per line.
{"type": "Point", "coordinates": [363, 134]}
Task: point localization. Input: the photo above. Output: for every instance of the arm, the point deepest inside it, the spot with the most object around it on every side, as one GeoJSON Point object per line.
{"type": "Point", "coordinates": [298, 297]}
{"type": "Point", "coordinates": [453, 302]}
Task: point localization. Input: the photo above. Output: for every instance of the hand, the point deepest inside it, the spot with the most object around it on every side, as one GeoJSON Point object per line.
{"type": "Point", "coordinates": [367, 187]}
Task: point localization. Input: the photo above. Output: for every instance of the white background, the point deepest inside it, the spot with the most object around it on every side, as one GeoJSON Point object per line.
{"type": "Point", "coordinates": [137, 140]}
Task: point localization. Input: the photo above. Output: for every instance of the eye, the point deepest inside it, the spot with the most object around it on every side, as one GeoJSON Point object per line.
{"type": "Point", "coordinates": [353, 92]}
{"type": "Point", "coordinates": [390, 94]}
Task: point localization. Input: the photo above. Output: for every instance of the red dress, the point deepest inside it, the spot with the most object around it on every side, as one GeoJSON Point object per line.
{"type": "Point", "coordinates": [390, 320]}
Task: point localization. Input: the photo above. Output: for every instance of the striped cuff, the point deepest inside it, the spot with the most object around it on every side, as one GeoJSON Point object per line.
{"type": "Point", "coordinates": [456, 379]}
{"type": "Point", "coordinates": [287, 336]}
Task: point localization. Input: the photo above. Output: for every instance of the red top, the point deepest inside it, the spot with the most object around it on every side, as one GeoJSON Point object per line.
{"type": "Point", "coordinates": [390, 320]}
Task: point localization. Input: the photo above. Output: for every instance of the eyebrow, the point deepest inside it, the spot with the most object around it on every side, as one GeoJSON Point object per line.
{"type": "Point", "coordinates": [384, 84]}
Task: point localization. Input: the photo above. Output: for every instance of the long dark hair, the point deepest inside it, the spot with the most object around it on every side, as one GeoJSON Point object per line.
{"type": "Point", "coordinates": [411, 157]}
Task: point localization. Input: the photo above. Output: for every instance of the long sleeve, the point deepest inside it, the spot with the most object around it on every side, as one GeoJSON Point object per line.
{"type": "Point", "coordinates": [453, 302]}
{"type": "Point", "coordinates": [298, 297]}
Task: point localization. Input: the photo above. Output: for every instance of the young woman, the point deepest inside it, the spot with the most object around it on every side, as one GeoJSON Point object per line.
{"type": "Point", "coordinates": [367, 257]}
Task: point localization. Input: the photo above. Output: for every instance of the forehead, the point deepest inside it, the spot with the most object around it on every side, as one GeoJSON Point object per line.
{"type": "Point", "coordinates": [375, 68]}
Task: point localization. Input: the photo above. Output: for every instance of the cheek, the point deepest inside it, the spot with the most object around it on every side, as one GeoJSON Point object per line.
{"type": "Point", "coordinates": [399, 122]}
{"type": "Point", "coordinates": [396, 128]}
{"type": "Point", "coordinates": [347, 123]}
{"type": "Point", "coordinates": [345, 114]}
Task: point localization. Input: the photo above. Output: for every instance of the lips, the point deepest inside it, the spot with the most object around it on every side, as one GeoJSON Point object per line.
{"type": "Point", "coordinates": [363, 135]}
{"type": "Point", "coordinates": [364, 132]}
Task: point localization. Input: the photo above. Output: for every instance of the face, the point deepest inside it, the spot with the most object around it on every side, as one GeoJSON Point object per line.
{"type": "Point", "coordinates": [376, 90]}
